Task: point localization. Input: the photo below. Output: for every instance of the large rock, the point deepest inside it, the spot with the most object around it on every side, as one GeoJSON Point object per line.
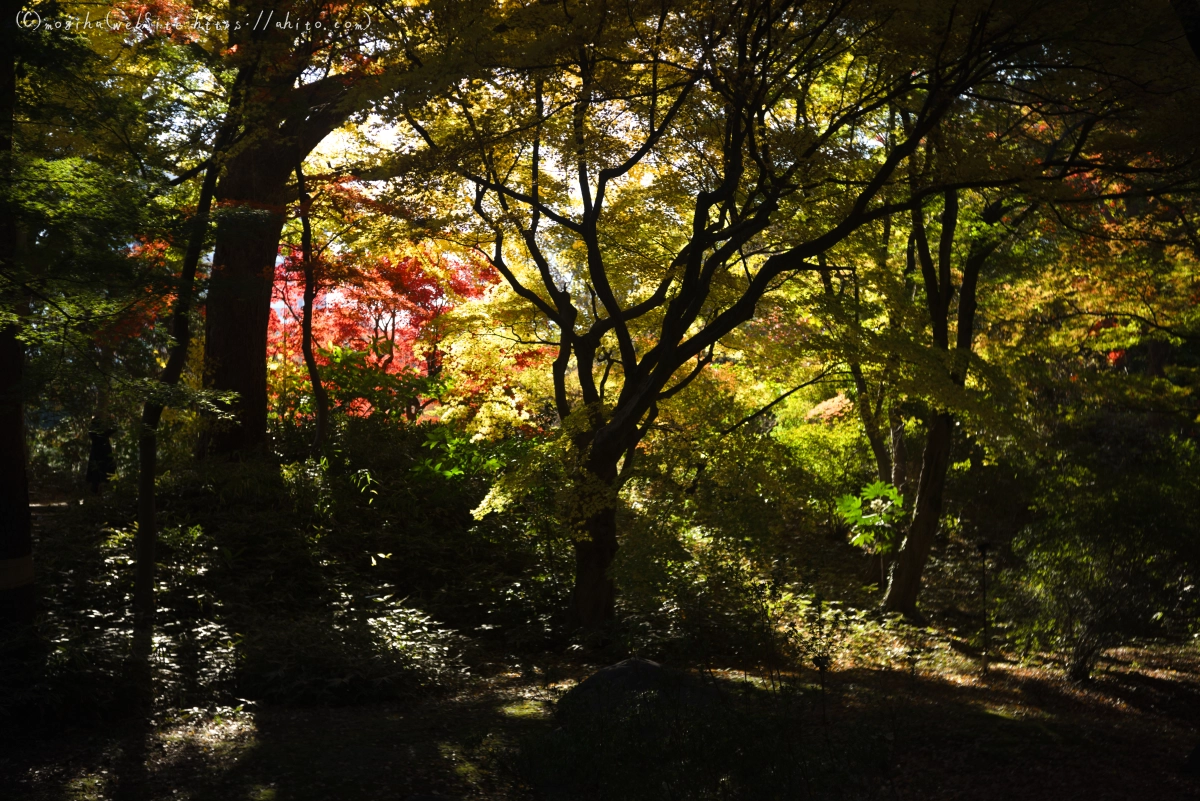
{"type": "Point", "coordinates": [613, 689]}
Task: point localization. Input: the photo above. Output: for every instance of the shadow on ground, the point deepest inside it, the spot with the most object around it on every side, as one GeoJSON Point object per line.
{"type": "Point", "coordinates": [1022, 734]}
{"type": "Point", "coordinates": [445, 748]}
{"type": "Point", "coordinates": [255, 611]}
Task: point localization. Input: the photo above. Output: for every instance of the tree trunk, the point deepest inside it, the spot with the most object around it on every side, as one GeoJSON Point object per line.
{"type": "Point", "coordinates": [16, 524]}
{"type": "Point", "coordinates": [239, 295]}
{"type": "Point", "coordinates": [146, 542]}
{"type": "Point", "coordinates": [594, 596]}
{"type": "Point", "coordinates": [320, 396]}
{"type": "Point", "coordinates": [905, 581]}
{"type": "Point", "coordinates": [862, 402]}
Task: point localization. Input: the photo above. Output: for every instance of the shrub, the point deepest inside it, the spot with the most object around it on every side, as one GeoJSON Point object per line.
{"type": "Point", "coordinates": [1112, 554]}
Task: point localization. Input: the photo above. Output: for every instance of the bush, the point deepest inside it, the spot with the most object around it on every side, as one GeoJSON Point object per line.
{"type": "Point", "coordinates": [315, 580]}
{"type": "Point", "coordinates": [706, 553]}
{"type": "Point", "coordinates": [1112, 554]}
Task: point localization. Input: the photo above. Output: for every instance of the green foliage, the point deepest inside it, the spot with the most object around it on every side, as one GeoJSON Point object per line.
{"type": "Point", "coordinates": [835, 454]}
{"type": "Point", "coordinates": [549, 473]}
{"type": "Point", "coordinates": [459, 455]}
{"type": "Point", "coordinates": [695, 597]}
{"type": "Point", "coordinates": [873, 516]}
{"type": "Point", "coordinates": [353, 380]}
{"type": "Point", "coordinates": [715, 556]}
{"type": "Point", "coordinates": [1112, 553]}
{"type": "Point", "coordinates": [336, 579]}
{"type": "Point", "coordinates": [308, 486]}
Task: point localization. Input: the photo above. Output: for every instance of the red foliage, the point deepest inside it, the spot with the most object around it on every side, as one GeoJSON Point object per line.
{"type": "Point", "coordinates": [1101, 324]}
{"type": "Point", "coordinates": [387, 307]}
{"type": "Point", "coordinates": [532, 358]}
{"type": "Point", "coordinates": [138, 318]}
{"type": "Point", "coordinates": [830, 411]}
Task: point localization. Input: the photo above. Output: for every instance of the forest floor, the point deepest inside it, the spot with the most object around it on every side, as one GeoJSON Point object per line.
{"type": "Point", "coordinates": [932, 728]}
{"type": "Point", "coordinates": [1021, 733]}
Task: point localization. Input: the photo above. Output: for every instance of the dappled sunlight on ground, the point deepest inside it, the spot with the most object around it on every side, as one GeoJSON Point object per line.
{"type": "Point", "coordinates": [458, 747]}
{"type": "Point", "coordinates": [1026, 732]}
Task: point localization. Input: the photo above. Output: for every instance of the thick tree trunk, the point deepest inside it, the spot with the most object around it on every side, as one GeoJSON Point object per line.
{"type": "Point", "coordinates": [594, 597]}
{"type": "Point", "coordinates": [239, 294]}
{"type": "Point", "coordinates": [905, 581]}
{"type": "Point", "coordinates": [238, 313]}
{"type": "Point", "coordinates": [254, 191]}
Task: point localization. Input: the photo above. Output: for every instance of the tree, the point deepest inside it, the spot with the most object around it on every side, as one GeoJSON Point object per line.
{"type": "Point", "coordinates": [300, 86]}
{"type": "Point", "coordinates": [80, 160]}
{"type": "Point", "coordinates": [320, 395]}
{"type": "Point", "coordinates": [285, 114]}
{"type": "Point", "coordinates": [1068, 147]}
{"type": "Point", "coordinates": [366, 311]}
{"type": "Point", "coordinates": [937, 281]}
{"type": "Point", "coordinates": [686, 162]}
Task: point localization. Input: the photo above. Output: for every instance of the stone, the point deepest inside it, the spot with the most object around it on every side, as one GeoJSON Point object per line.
{"type": "Point", "coordinates": [617, 686]}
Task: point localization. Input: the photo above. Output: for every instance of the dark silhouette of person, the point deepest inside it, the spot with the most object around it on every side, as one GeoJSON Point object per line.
{"type": "Point", "coordinates": [101, 466]}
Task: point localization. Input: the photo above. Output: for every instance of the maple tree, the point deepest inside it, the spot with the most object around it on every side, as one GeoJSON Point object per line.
{"type": "Point", "coordinates": [371, 320]}
{"type": "Point", "coordinates": [381, 317]}
{"type": "Point", "coordinates": [301, 84]}
{"type": "Point", "coordinates": [753, 187]}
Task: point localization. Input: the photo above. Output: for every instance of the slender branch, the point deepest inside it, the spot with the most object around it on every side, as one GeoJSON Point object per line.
{"type": "Point", "coordinates": [701, 363]}
{"type": "Point", "coordinates": [755, 415]}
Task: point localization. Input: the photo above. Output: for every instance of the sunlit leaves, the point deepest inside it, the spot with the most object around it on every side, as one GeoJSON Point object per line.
{"type": "Point", "coordinates": [874, 516]}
